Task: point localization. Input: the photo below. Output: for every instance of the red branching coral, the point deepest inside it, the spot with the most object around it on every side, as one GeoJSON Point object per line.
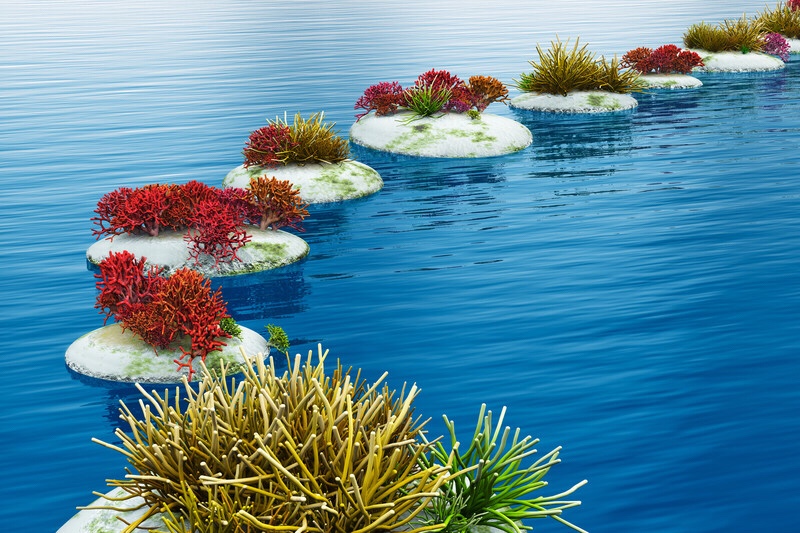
{"type": "Point", "coordinates": [665, 59]}
{"type": "Point", "coordinates": [279, 204]}
{"type": "Point", "coordinates": [267, 146]}
{"type": "Point", "coordinates": [637, 58]}
{"type": "Point", "coordinates": [793, 4]}
{"type": "Point", "coordinates": [486, 90]}
{"type": "Point", "coordinates": [216, 230]}
{"type": "Point", "coordinates": [162, 310]}
{"type": "Point", "coordinates": [384, 98]}
{"type": "Point", "coordinates": [438, 79]}
{"type": "Point", "coordinates": [124, 285]}
{"type": "Point", "coordinates": [108, 209]}
{"type": "Point", "coordinates": [214, 217]}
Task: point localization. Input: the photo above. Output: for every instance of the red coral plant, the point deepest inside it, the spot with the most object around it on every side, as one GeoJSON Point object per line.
{"type": "Point", "coordinates": [666, 59]}
{"type": "Point", "coordinates": [162, 311]}
{"type": "Point", "coordinates": [276, 203]}
{"type": "Point", "coordinates": [215, 219]}
{"type": "Point", "coordinates": [386, 98]}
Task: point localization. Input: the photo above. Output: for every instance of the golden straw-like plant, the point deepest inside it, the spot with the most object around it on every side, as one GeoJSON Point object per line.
{"type": "Point", "coordinates": [301, 451]}
{"type": "Point", "coordinates": [740, 35]}
{"type": "Point", "coordinates": [783, 19]}
{"type": "Point", "coordinates": [314, 141]}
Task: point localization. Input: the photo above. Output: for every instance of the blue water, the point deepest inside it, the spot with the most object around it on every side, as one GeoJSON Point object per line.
{"type": "Point", "coordinates": [628, 285]}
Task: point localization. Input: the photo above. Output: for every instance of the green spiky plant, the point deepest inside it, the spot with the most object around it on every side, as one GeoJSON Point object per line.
{"type": "Point", "coordinates": [561, 70]}
{"type": "Point", "coordinates": [489, 486]}
{"type": "Point", "coordinates": [301, 451]}
{"type": "Point", "coordinates": [782, 19]}
{"type": "Point", "coordinates": [743, 35]}
{"type": "Point", "coordinates": [427, 100]}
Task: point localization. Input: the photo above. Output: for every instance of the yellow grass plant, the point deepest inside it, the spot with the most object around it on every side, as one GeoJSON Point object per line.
{"type": "Point", "coordinates": [742, 35]}
{"type": "Point", "coordinates": [304, 450]}
{"type": "Point", "coordinates": [782, 19]}
{"type": "Point", "coordinates": [561, 70]}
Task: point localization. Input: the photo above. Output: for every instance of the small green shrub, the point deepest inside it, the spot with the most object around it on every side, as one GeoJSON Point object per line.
{"type": "Point", "coordinates": [783, 19]}
{"type": "Point", "coordinates": [729, 36]}
{"type": "Point", "coordinates": [278, 338]}
{"type": "Point", "coordinates": [488, 484]}
{"type": "Point", "coordinates": [230, 327]}
{"type": "Point", "coordinates": [561, 70]}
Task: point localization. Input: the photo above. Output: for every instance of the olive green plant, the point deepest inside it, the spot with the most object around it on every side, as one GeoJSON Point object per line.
{"type": "Point", "coordinates": [782, 19]}
{"type": "Point", "coordinates": [612, 77]}
{"type": "Point", "coordinates": [488, 485]}
{"type": "Point", "coordinates": [278, 338]}
{"type": "Point", "coordinates": [313, 141]}
{"type": "Point", "coordinates": [561, 70]}
{"type": "Point", "coordinates": [743, 35]}
{"type": "Point", "coordinates": [301, 451]}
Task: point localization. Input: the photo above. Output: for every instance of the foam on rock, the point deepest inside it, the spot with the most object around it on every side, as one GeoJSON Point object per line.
{"type": "Point", "coordinates": [670, 81]}
{"type": "Point", "coordinates": [169, 250]}
{"type": "Point", "coordinates": [737, 62]}
{"type": "Point", "coordinates": [444, 135]}
{"type": "Point", "coordinates": [575, 102]}
{"type": "Point", "coordinates": [317, 182]}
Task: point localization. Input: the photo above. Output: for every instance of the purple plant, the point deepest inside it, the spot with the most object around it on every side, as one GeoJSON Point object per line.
{"type": "Point", "coordinates": [775, 44]}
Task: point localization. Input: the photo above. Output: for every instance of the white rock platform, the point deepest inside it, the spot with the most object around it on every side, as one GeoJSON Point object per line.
{"type": "Point", "coordinates": [442, 135]}
{"type": "Point", "coordinates": [794, 45]}
{"type": "Point", "coordinates": [317, 182]}
{"type": "Point", "coordinates": [169, 250]}
{"type": "Point", "coordinates": [670, 81]}
{"type": "Point", "coordinates": [737, 62]}
{"type": "Point", "coordinates": [114, 354]}
{"type": "Point", "coordinates": [575, 102]}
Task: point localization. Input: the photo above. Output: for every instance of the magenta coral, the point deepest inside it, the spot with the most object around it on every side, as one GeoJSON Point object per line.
{"type": "Point", "coordinates": [267, 146]}
{"type": "Point", "coordinates": [384, 98]}
{"type": "Point", "coordinates": [793, 4]}
{"type": "Point", "coordinates": [775, 44]}
{"type": "Point", "coordinates": [387, 98]}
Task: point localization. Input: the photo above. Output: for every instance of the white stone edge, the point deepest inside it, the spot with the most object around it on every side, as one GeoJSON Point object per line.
{"type": "Point", "coordinates": [310, 179]}
{"type": "Point", "coordinates": [135, 361]}
{"type": "Point", "coordinates": [575, 102]}
{"type": "Point", "coordinates": [171, 253]}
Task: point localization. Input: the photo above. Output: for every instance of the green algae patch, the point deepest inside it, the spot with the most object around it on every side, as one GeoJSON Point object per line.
{"type": "Point", "coordinates": [317, 182]}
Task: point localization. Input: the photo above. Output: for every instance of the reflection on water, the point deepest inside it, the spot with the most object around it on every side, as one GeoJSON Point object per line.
{"type": "Point", "coordinates": [567, 137]}
{"type": "Point", "coordinates": [268, 295]}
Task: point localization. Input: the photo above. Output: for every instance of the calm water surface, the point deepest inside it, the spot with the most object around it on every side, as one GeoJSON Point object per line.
{"type": "Point", "coordinates": [627, 286]}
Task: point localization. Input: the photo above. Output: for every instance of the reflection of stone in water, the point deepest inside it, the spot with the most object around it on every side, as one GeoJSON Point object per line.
{"type": "Point", "coordinates": [266, 295]}
{"type": "Point", "coordinates": [561, 136]}
{"type": "Point", "coordinates": [668, 107]}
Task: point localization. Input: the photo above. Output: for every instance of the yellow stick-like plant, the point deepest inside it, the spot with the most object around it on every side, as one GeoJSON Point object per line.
{"type": "Point", "coordinates": [301, 451]}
